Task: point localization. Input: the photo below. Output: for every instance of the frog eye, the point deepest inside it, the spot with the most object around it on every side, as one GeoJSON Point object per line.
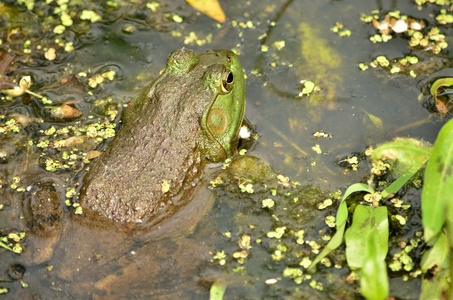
{"type": "Point", "coordinates": [227, 81]}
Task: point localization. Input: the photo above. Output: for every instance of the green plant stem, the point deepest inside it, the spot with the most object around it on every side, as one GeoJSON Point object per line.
{"type": "Point", "coordinates": [5, 246]}
{"type": "Point", "coordinates": [289, 141]}
{"type": "Point", "coordinates": [34, 94]}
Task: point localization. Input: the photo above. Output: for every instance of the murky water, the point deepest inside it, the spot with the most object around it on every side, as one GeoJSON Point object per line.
{"type": "Point", "coordinates": [279, 44]}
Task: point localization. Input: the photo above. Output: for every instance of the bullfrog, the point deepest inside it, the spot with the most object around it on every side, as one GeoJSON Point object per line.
{"type": "Point", "coordinates": [143, 198]}
{"type": "Point", "coordinates": [186, 118]}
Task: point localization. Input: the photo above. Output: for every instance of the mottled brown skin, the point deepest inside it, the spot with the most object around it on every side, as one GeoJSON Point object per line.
{"type": "Point", "coordinates": [168, 134]}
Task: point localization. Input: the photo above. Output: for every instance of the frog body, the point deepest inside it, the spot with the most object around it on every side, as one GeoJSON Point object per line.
{"type": "Point", "coordinates": [188, 117]}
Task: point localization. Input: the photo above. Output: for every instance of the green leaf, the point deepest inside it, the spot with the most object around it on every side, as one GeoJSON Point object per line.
{"type": "Point", "coordinates": [5, 246]}
{"type": "Point", "coordinates": [342, 213]}
{"type": "Point", "coordinates": [342, 217]}
{"type": "Point", "coordinates": [437, 88]}
{"type": "Point", "coordinates": [438, 184]}
{"type": "Point", "coordinates": [433, 289]}
{"type": "Point", "coordinates": [333, 244]}
{"type": "Point", "coordinates": [373, 280]}
{"type": "Point", "coordinates": [441, 82]}
{"type": "Point", "coordinates": [217, 290]}
{"type": "Point", "coordinates": [407, 152]}
{"type": "Point", "coordinates": [398, 183]}
{"type": "Point", "coordinates": [368, 221]}
{"type": "Point", "coordinates": [437, 255]}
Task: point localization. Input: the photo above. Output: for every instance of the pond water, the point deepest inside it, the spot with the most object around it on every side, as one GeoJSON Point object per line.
{"type": "Point", "coordinates": [280, 44]}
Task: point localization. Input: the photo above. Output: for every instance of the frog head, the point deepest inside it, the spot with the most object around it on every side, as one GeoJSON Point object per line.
{"type": "Point", "coordinates": [222, 120]}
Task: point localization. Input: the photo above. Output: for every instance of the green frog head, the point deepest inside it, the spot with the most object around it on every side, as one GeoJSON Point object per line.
{"type": "Point", "coordinates": [222, 74]}
{"type": "Point", "coordinates": [224, 118]}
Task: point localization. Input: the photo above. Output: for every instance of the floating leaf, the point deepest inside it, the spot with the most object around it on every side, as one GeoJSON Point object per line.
{"type": "Point", "coordinates": [211, 8]}
{"type": "Point", "coordinates": [407, 152]}
{"type": "Point", "coordinates": [438, 185]}
{"type": "Point", "coordinates": [22, 119]}
{"type": "Point", "coordinates": [437, 90]}
{"type": "Point", "coordinates": [65, 111]}
{"type": "Point", "coordinates": [72, 141]}
{"type": "Point", "coordinates": [93, 154]}
{"type": "Point", "coordinates": [24, 85]}
{"type": "Point", "coordinates": [15, 91]}
{"type": "Point", "coordinates": [25, 82]}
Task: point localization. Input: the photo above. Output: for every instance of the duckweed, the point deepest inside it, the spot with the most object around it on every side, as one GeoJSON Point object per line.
{"type": "Point", "coordinates": [220, 256]}
{"type": "Point", "coordinates": [278, 233]}
{"type": "Point", "coordinates": [340, 30]}
{"type": "Point", "coordinates": [269, 203]}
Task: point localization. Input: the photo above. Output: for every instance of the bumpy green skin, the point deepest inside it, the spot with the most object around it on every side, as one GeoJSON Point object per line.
{"type": "Point", "coordinates": [187, 117]}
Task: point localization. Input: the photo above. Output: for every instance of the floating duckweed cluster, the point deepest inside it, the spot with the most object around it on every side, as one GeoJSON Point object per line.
{"type": "Point", "coordinates": [330, 221]}
{"type": "Point", "coordinates": [220, 256]}
{"type": "Point", "coordinates": [289, 247]}
{"type": "Point", "coordinates": [350, 163]}
{"type": "Point", "coordinates": [444, 18]}
{"type": "Point", "coordinates": [66, 16]}
{"type": "Point", "coordinates": [317, 149]}
{"type": "Point", "coordinates": [398, 203]}
{"type": "Point", "coordinates": [340, 30]}
{"type": "Point", "coordinates": [438, 2]}
{"type": "Point", "coordinates": [403, 261]}
{"type": "Point", "coordinates": [74, 143]}
{"type": "Point", "coordinates": [397, 65]}
{"type": "Point", "coordinates": [373, 198]}
{"type": "Point", "coordinates": [194, 39]}
{"type": "Point", "coordinates": [392, 22]}
{"type": "Point", "coordinates": [67, 141]}
{"type": "Point", "coordinates": [9, 126]}
{"type": "Point", "coordinates": [70, 194]}
{"type": "Point", "coordinates": [379, 167]}
{"type": "Point", "coordinates": [322, 134]}
{"type": "Point", "coordinates": [98, 79]}
{"type": "Point", "coordinates": [420, 36]}
{"type": "Point", "coordinates": [308, 87]}
{"type": "Point", "coordinates": [12, 241]}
